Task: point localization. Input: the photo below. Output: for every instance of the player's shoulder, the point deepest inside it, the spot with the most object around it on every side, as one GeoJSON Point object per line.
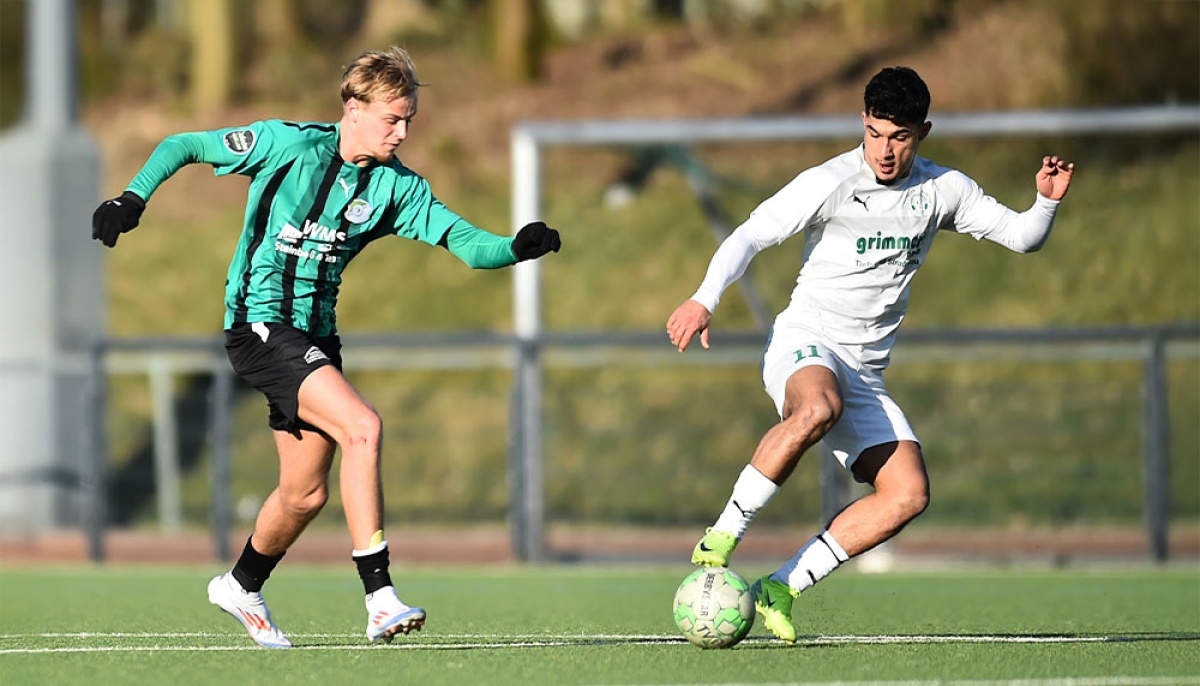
{"type": "Point", "coordinates": [277, 134]}
{"type": "Point", "coordinates": [955, 189]}
{"type": "Point", "coordinates": [400, 172]}
{"type": "Point", "coordinates": [926, 170]}
{"type": "Point", "coordinates": [841, 167]}
{"type": "Point", "coordinates": [822, 179]}
{"type": "Point", "coordinates": [301, 130]}
{"type": "Point", "coordinates": [835, 171]}
{"type": "Point", "coordinates": [948, 181]}
{"type": "Point", "coordinates": [395, 179]}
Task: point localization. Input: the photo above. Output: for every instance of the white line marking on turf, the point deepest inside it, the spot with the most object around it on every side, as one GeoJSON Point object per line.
{"type": "Point", "coordinates": [1060, 681]}
{"type": "Point", "coordinates": [246, 646]}
{"type": "Point", "coordinates": [509, 641]}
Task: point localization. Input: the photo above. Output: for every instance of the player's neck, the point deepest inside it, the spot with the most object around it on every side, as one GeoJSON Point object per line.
{"type": "Point", "coordinates": [350, 151]}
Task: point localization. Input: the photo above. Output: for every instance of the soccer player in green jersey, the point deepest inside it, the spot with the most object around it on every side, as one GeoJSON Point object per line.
{"type": "Point", "coordinates": [319, 193]}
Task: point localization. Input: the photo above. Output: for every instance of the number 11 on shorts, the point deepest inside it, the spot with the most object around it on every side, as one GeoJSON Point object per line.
{"type": "Point", "coordinates": [812, 352]}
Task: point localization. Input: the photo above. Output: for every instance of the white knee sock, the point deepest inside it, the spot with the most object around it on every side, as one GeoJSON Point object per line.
{"type": "Point", "coordinates": [813, 562]}
{"type": "Point", "coordinates": [751, 493]}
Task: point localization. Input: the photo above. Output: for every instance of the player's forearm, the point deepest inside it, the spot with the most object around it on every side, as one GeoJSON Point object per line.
{"type": "Point", "coordinates": [732, 258]}
{"type": "Point", "coordinates": [171, 155]}
{"type": "Point", "coordinates": [477, 248]}
{"type": "Point", "coordinates": [1028, 231]}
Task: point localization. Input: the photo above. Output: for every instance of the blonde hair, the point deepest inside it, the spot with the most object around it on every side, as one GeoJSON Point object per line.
{"type": "Point", "coordinates": [376, 75]}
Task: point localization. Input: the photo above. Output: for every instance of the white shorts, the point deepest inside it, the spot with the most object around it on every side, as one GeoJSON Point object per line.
{"type": "Point", "coordinates": [869, 415]}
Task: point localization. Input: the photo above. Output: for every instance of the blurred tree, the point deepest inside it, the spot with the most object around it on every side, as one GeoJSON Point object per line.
{"type": "Point", "coordinates": [569, 19]}
{"type": "Point", "coordinates": [331, 22]}
{"type": "Point", "coordinates": [214, 29]}
{"type": "Point", "coordinates": [622, 15]}
{"type": "Point", "coordinates": [914, 15]}
{"type": "Point", "coordinates": [120, 21]}
{"type": "Point", "coordinates": [114, 23]}
{"type": "Point", "coordinates": [518, 38]}
{"type": "Point", "coordinates": [12, 61]}
{"type": "Point", "coordinates": [278, 23]}
{"type": "Point", "coordinates": [391, 21]}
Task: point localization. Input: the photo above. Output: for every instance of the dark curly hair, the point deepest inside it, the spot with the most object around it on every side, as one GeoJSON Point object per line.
{"type": "Point", "coordinates": [899, 95]}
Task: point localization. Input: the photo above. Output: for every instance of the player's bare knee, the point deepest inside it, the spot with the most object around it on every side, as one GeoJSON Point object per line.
{"type": "Point", "coordinates": [365, 428]}
{"type": "Point", "coordinates": [909, 503]}
{"type": "Point", "coordinates": [306, 504]}
{"type": "Point", "coordinates": [812, 420]}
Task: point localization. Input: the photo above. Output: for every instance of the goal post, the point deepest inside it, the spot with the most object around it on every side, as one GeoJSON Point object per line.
{"type": "Point", "coordinates": [529, 139]}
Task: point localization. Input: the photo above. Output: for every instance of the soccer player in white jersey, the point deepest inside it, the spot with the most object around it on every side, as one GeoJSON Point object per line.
{"type": "Point", "coordinates": [869, 217]}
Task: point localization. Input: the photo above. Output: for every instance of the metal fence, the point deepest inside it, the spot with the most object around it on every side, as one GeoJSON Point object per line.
{"type": "Point", "coordinates": [530, 351]}
{"type": "Point", "coordinates": [162, 359]}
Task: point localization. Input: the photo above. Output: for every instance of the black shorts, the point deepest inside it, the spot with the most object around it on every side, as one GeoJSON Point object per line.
{"type": "Point", "coordinates": [276, 359]}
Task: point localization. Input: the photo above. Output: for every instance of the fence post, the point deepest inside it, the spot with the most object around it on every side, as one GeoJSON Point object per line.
{"type": "Point", "coordinates": [516, 448]}
{"type": "Point", "coordinates": [835, 487]}
{"type": "Point", "coordinates": [95, 452]}
{"type": "Point", "coordinates": [166, 444]}
{"type": "Point", "coordinates": [1156, 441]}
{"type": "Point", "coordinates": [219, 410]}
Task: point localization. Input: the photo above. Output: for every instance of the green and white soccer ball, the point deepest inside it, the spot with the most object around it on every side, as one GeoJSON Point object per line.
{"type": "Point", "coordinates": [714, 607]}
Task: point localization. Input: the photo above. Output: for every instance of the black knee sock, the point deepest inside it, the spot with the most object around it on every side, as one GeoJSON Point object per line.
{"type": "Point", "coordinates": [373, 570]}
{"type": "Point", "coordinates": [253, 568]}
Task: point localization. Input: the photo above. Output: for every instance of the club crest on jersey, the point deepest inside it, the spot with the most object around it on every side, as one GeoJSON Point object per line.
{"type": "Point", "coordinates": [918, 201]}
{"type": "Point", "coordinates": [358, 211]}
{"type": "Point", "coordinates": [239, 142]}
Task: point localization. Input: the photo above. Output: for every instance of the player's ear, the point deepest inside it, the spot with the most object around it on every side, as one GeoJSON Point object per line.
{"type": "Point", "coordinates": [924, 131]}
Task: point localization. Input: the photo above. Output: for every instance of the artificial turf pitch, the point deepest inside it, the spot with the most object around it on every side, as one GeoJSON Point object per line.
{"type": "Point", "coordinates": [604, 625]}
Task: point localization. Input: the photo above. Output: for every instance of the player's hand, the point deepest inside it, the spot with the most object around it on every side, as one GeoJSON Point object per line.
{"type": "Point", "coordinates": [1054, 178]}
{"type": "Point", "coordinates": [534, 240]}
{"type": "Point", "coordinates": [689, 319]}
{"type": "Point", "coordinates": [117, 216]}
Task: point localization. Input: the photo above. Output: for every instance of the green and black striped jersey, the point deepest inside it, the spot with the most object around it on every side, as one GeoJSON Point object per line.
{"type": "Point", "coordinates": [308, 213]}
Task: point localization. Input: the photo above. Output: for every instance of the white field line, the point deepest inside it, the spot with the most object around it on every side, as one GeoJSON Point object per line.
{"type": "Point", "coordinates": [665, 638]}
{"type": "Point", "coordinates": [1060, 681]}
{"type": "Point", "coordinates": [112, 641]}
{"type": "Point", "coordinates": [248, 646]}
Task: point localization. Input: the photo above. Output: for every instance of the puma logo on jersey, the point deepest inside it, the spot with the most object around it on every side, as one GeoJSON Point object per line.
{"type": "Point", "coordinates": [347, 187]}
{"type": "Point", "coordinates": [860, 201]}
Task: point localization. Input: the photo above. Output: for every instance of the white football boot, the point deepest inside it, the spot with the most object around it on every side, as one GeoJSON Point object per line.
{"type": "Point", "coordinates": [387, 615]}
{"type": "Point", "coordinates": [225, 592]}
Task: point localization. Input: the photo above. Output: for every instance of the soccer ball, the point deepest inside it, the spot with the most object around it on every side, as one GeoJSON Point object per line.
{"type": "Point", "coordinates": [714, 607]}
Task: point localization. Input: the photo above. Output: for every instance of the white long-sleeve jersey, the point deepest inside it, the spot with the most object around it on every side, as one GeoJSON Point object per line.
{"type": "Point", "coordinates": [865, 241]}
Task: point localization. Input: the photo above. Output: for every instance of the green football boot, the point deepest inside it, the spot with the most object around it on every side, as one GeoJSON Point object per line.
{"type": "Point", "coordinates": [773, 601]}
{"type": "Point", "coordinates": [714, 549]}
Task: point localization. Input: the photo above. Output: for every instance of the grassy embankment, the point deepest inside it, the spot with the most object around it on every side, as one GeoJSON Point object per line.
{"type": "Point", "coordinates": [1038, 443]}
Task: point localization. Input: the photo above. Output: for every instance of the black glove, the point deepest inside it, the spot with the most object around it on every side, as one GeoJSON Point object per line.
{"type": "Point", "coordinates": [117, 216]}
{"type": "Point", "coordinates": [534, 240]}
